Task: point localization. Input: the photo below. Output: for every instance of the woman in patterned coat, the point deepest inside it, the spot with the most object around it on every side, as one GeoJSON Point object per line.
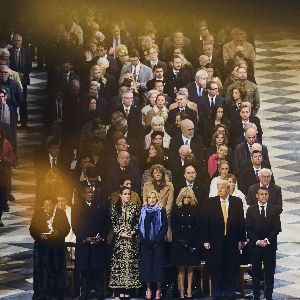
{"type": "Point", "coordinates": [124, 272]}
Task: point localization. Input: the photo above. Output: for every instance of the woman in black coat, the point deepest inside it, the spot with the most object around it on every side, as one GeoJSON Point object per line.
{"type": "Point", "coordinates": [153, 227]}
{"type": "Point", "coordinates": [186, 225]}
{"type": "Point", "coordinates": [49, 227]}
{"type": "Point", "coordinates": [90, 223]}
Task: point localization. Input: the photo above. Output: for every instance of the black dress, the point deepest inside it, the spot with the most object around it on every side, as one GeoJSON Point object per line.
{"type": "Point", "coordinates": [49, 278]}
{"type": "Point", "coordinates": [186, 239]}
{"type": "Point", "coordinates": [152, 267]}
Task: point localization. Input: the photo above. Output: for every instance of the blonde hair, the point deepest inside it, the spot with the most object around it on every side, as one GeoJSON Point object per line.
{"type": "Point", "coordinates": [186, 193]}
{"type": "Point", "coordinates": [156, 195]}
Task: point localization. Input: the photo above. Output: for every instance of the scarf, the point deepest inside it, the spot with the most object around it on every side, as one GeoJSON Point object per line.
{"type": "Point", "coordinates": [213, 164]}
{"type": "Point", "coordinates": [5, 114]}
{"type": "Point", "coordinates": [155, 224]}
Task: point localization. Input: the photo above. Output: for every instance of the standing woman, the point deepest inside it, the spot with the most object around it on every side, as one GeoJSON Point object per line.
{"type": "Point", "coordinates": [124, 274]}
{"type": "Point", "coordinates": [49, 227]}
{"type": "Point", "coordinates": [153, 227]}
{"type": "Point", "coordinates": [186, 225]}
{"type": "Point", "coordinates": [7, 159]}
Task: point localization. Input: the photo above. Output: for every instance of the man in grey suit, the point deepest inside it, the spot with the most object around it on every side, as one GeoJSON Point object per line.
{"type": "Point", "coordinates": [265, 177]}
{"type": "Point", "coordinates": [140, 72]}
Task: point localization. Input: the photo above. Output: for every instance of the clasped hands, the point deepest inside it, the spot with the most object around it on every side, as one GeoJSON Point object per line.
{"type": "Point", "coordinates": [262, 243]}
{"type": "Point", "coordinates": [46, 235]}
{"type": "Point", "coordinates": [94, 239]}
{"type": "Point", "coordinates": [241, 245]}
{"type": "Point", "coordinates": [128, 234]}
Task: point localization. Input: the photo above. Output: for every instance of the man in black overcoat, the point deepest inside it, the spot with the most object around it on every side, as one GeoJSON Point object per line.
{"type": "Point", "coordinates": [224, 236]}
{"type": "Point", "coordinates": [90, 223]}
{"type": "Point", "coordinates": [263, 226]}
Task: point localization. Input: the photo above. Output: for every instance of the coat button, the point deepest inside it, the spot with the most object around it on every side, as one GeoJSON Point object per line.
{"type": "Point", "coordinates": [182, 215]}
{"type": "Point", "coordinates": [189, 215]}
{"type": "Point", "coordinates": [189, 226]}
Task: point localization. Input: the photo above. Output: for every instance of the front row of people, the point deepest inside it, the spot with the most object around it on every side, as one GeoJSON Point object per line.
{"type": "Point", "coordinates": [138, 251]}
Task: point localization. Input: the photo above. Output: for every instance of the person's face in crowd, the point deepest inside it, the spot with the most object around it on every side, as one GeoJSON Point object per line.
{"type": "Point", "coordinates": [134, 60]}
{"type": "Point", "coordinates": [153, 54]}
{"type": "Point", "coordinates": [125, 196]}
{"type": "Point", "coordinates": [84, 162]}
{"type": "Point", "coordinates": [187, 200]}
{"type": "Point", "coordinates": [188, 130]}
{"type": "Point", "coordinates": [148, 43]}
{"type": "Point", "coordinates": [213, 91]}
{"type": "Point", "coordinates": [123, 159]}
{"type": "Point", "coordinates": [239, 37]}
{"type": "Point", "coordinates": [48, 207]}
{"type": "Point", "coordinates": [128, 76]}
{"type": "Point", "coordinates": [158, 140]}
{"type": "Point", "coordinates": [61, 202]}
{"type": "Point", "coordinates": [127, 99]}
{"type": "Point", "coordinates": [159, 86]}
{"type": "Point", "coordinates": [223, 191]}
{"type": "Point", "coordinates": [17, 41]}
{"type": "Point", "coordinates": [93, 48]}
{"type": "Point", "coordinates": [177, 51]}
{"type": "Point", "coordinates": [152, 199]}
{"type": "Point", "coordinates": [245, 113]}
{"type": "Point", "coordinates": [54, 150]}
{"type": "Point", "coordinates": [127, 183]}
{"type": "Point", "coordinates": [181, 101]}
{"type": "Point", "coordinates": [256, 159]}
{"type": "Point", "coordinates": [221, 130]}
{"type": "Point", "coordinates": [204, 31]}
{"type": "Point", "coordinates": [251, 136]}
{"type": "Point", "coordinates": [177, 63]}
{"type": "Point", "coordinates": [231, 184]}
{"type": "Point", "coordinates": [222, 152]}
{"type": "Point", "coordinates": [220, 113]}
{"type": "Point", "coordinates": [203, 60]}
{"type": "Point", "coordinates": [157, 175]}
{"type": "Point", "coordinates": [202, 82]}
{"type": "Point", "coordinates": [159, 73]}
{"type": "Point", "coordinates": [240, 49]}
{"type": "Point", "coordinates": [265, 179]}
{"type": "Point", "coordinates": [75, 86]}
{"type": "Point", "coordinates": [236, 95]}
{"type": "Point", "coordinates": [152, 99]}
{"type": "Point", "coordinates": [184, 153]}
{"type": "Point", "coordinates": [4, 74]}
{"type": "Point", "coordinates": [208, 50]}
{"type": "Point", "coordinates": [66, 67]}
{"type": "Point", "coordinates": [122, 145]}
{"type": "Point", "coordinates": [224, 170]}
{"type": "Point", "coordinates": [235, 73]}
{"type": "Point", "coordinates": [158, 127]}
{"type": "Point", "coordinates": [87, 194]}
{"type": "Point", "coordinates": [210, 72]}
{"type": "Point", "coordinates": [190, 174]}
{"type": "Point", "coordinates": [152, 151]}
{"type": "Point", "coordinates": [3, 98]}
{"type": "Point", "coordinates": [262, 196]}
{"type": "Point", "coordinates": [97, 74]}
{"type": "Point", "coordinates": [146, 55]}
{"type": "Point", "coordinates": [178, 38]}
{"type": "Point", "coordinates": [160, 101]}
{"type": "Point", "coordinates": [92, 104]}
{"type": "Point", "coordinates": [102, 51]}
{"type": "Point", "coordinates": [242, 74]}
{"type": "Point", "coordinates": [177, 121]}
{"type": "Point", "coordinates": [220, 139]}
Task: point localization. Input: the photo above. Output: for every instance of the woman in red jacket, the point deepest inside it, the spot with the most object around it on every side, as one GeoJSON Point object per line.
{"type": "Point", "coordinates": [7, 159]}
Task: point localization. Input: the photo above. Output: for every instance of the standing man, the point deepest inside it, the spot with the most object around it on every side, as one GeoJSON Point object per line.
{"type": "Point", "coordinates": [263, 226]}
{"type": "Point", "coordinates": [224, 237]}
{"type": "Point", "coordinates": [20, 61]}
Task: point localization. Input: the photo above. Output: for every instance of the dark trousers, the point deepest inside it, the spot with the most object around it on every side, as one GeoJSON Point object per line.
{"type": "Point", "coordinates": [23, 106]}
{"type": "Point", "coordinates": [88, 280]}
{"type": "Point", "coordinates": [3, 198]}
{"type": "Point", "coordinates": [267, 256]}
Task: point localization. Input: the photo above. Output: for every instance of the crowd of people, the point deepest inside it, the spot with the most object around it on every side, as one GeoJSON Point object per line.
{"type": "Point", "coordinates": [154, 156]}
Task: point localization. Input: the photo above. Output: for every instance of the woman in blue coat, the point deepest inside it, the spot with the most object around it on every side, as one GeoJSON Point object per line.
{"type": "Point", "coordinates": [153, 227]}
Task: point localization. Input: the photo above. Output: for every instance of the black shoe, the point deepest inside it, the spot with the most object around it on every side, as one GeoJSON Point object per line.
{"type": "Point", "coordinates": [24, 127]}
{"type": "Point", "coordinates": [6, 208]}
{"type": "Point", "coordinates": [1, 224]}
{"type": "Point", "coordinates": [11, 198]}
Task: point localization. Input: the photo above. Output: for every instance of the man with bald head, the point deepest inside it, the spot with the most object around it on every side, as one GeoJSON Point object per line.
{"type": "Point", "coordinates": [223, 235]}
{"type": "Point", "coordinates": [243, 150]}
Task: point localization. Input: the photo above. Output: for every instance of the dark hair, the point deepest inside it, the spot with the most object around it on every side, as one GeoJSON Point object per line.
{"type": "Point", "coordinates": [183, 115]}
{"type": "Point", "coordinates": [156, 133]}
{"type": "Point", "coordinates": [213, 112]}
{"type": "Point", "coordinates": [134, 53]}
{"type": "Point", "coordinates": [92, 171]}
{"type": "Point", "coordinates": [157, 67]}
{"type": "Point", "coordinates": [209, 83]}
{"type": "Point", "coordinates": [118, 205]}
{"type": "Point", "coordinates": [175, 56]}
{"type": "Point", "coordinates": [256, 151]}
{"type": "Point", "coordinates": [103, 44]}
{"type": "Point", "coordinates": [53, 142]}
{"type": "Point", "coordinates": [264, 188]}
{"type": "Point", "coordinates": [126, 82]}
{"type": "Point", "coordinates": [209, 65]}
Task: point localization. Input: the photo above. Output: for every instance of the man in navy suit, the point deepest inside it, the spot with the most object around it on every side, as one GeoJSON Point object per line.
{"type": "Point", "coordinates": [263, 226]}
{"type": "Point", "coordinates": [20, 61]}
{"type": "Point", "coordinates": [196, 89]}
{"type": "Point", "coordinates": [207, 102]}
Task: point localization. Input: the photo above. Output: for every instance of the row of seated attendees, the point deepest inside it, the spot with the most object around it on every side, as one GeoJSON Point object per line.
{"type": "Point", "coordinates": [154, 153]}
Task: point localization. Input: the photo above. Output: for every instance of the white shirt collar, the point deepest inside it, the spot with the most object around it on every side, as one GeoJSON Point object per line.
{"type": "Point", "coordinates": [88, 203]}
{"type": "Point", "coordinates": [260, 185]}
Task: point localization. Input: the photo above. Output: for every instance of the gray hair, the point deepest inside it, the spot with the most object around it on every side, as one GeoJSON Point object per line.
{"type": "Point", "coordinates": [265, 171]}
{"type": "Point", "coordinates": [201, 74]}
{"type": "Point", "coordinates": [185, 147]}
{"type": "Point", "coordinates": [122, 122]}
{"type": "Point", "coordinates": [223, 182]}
{"type": "Point", "coordinates": [151, 92]}
{"type": "Point", "coordinates": [250, 126]}
{"type": "Point", "coordinates": [185, 122]}
{"type": "Point", "coordinates": [183, 92]}
{"type": "Point", "coordinates": [157, 120]}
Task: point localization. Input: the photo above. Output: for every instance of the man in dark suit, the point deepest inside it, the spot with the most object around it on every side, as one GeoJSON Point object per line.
{"type": "Point", "coordinates": [238, 125]}
{"type": "Point", "coordinates": [154, 61]}
{"type": "Point", "coordinates": [263, 226]}
{"type": "Point", "coordinates": [90, 223]}
{"type": "Point", "coordinates": [20, 61]}
{"type": "Point", "coordinates": [265, 177]}
{"type": "Point", "coordinates": [214, 58]}
{"type": "Point", "coordinates": [196, 89]}
{"type": "Point", "coordinates": [207, 102]}
{"type": "Point", "coordinates": [250, 175]}
{"type": "Point", "coordinates": [187, 137]}
{"type": "Point", "coordinates": [182, 102]}
{"type": "Point", "coordinates": [179, 76]}
{"type": "Point", "coordinates": [242, 151]}
{"type": "Point", "coordinates": [224, 236]}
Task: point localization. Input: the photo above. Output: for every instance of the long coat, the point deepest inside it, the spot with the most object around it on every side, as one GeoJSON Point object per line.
{"type": "Point", "coordinates": [88, 221]}
{"type": "Point", "coordinates": [213, 233]}
{"type": "Point", "coordinates": [6, 164]}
